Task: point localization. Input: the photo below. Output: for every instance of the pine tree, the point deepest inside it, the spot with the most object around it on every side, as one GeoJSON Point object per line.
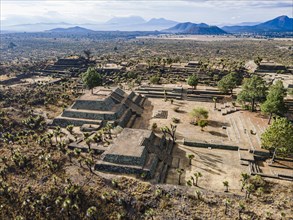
{"type": "Point", "coordinates": [278, 137]}
{"type": "Point", "coordinates": [275, 100]}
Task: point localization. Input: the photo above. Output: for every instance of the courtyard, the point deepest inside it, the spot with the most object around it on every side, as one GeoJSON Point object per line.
{"type": "Point", "coordinates": [240, 128]}
{"type": "Point", "coordinates": [216, 166]}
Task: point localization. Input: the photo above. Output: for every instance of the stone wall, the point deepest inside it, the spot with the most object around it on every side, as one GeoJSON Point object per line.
{"type": "Point", "coordinates": [127, 160]}
{"type": "Point", "coordinates": [263, 153]}
{"type": "Point", "coordinates": [118, 169]}
{"type": "Point", "coordinates": [207, 145]}
{"type": "Point", "coordinates": [89, 115]}
{"type": "Point", "coordinates": [63, 122]}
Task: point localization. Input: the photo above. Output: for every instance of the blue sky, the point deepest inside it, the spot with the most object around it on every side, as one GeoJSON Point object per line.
{"type": "Point", "coordinates": [82, 11]}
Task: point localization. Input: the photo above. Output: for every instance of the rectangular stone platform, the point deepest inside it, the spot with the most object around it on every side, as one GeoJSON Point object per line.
{"type": "Point", "coordinates": [138, 152]}
{"type": "Point", "coordinates": [104, 105]}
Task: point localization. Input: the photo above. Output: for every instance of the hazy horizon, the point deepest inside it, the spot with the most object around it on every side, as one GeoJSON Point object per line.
{"type": "Point", "coordinates": [94, 12]}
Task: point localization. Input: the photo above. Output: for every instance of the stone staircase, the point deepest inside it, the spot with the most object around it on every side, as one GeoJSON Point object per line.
{"type": "Point", "coordinates": [131, 121]}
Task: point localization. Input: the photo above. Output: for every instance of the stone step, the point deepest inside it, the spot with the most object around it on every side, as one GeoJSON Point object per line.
{"type": "Point", "coordinates": [131, 121]}
{"type": "Point", "coordinates": [132, 96]}
{"type": "Point", "coordinates": [105, 166]}
{"type": "Point", "coordinates": [164, 173]}
{"type": "Point", "coordinates": [162, 96]}
{"type": "Point", "coordinates": [141, 101]}
{"type": "Point", "coordinates": [244, 162]}
{"type": "Point", "coordinates": [125, 118]}
{"type": "Point", "coordinates": [255, 168]}
{"type": "Point", "coordinates": [172, 94]}
{"type": "Point", "coordinates": [134, 107]}
{"type": "Point", "coordinates": [158, 172]}
{"type": "Point", "coordinates": [148, 167]}
{"type": "Point", "coordinates": [160, 89]}
{"type": "Point", "coordinates": [137, 99]}
{"type": "Point", "coordinates": [89, 114]}
{"type": "Point", "coordinates": [170, 146]}
{"type": "Point", "coordinates": [150, 164]}
{"type": "Point", "coordinates": [65, 121]}
{"type": "Point", "coordinates": [117, 97]}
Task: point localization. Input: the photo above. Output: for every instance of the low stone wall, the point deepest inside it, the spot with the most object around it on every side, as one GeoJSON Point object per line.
{"type": "Point", "coordinates": [162, 95]}
{"type": "Point", "coordinates": [277, 176]}
{"type": "Point", "coordinates": [207, 145]}
{"type": "Point", "coordinates": [262, 153]}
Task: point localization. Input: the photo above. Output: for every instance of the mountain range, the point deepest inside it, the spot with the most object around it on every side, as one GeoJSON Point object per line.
{"type": "Point", "coordinates": [131, 23]}
{"type": "Point", "coordinates": [280, 24]}
{"type": "Point", "coordinates": [136, 23]}
{"type": "Point", "coordinates": [71, 30]}
{"type": "Point", "coordinates": [131, 20]}
{"type": "Point", "coordinates": [192, 28]}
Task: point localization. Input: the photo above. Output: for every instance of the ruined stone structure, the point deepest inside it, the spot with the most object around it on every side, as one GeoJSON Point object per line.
{"type": "Point", "coordinates": [270, 67]}
{"type": "Point", "coordinates": [204, 95]}
{"type": "Point", "coordinates": [136, 152]}
{"type": "Point", "coordinates": [160, 92]}
{"type": "Point", "coordinates": [71, 66]}
{"type": "Point", "coordinates": [111, 68]}
{"type": "Point", "coordinates": [180, 93]}
{"type": "Point", "coordinates": [104, 105]}
{"type": "Point", "coordinates": [17, 79]}
{"type": "Point", "coordinates": [193, 64]}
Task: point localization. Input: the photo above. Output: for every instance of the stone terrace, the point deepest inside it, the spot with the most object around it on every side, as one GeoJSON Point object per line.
{"type": "Point", "coordinates": [73, 66]}
{"type": "Point", "coordinates": [205, 94]}
{"type": "Point", "coordinates": [138, 152]}
{"type": "Point", "coordinates": [270, 67]}
{"type": "Point", "coordinates": [161, 92]}
{"type": "Point", "coordinates": [104, 105]}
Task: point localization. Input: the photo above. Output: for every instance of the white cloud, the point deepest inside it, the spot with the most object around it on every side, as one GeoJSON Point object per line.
{"type": "Point", "coordinates": [83, 11]}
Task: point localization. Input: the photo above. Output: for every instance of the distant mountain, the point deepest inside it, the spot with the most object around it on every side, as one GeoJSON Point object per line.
{"type": "Point", "coordinates": [279, 24]}
{"type": "Point", "coordinates": [247, 24]}
{"type": "Point", "coordinates": [36, 27]}
{"type": "Point", "coordinates": [192, 28]}
{"type": "Point", "coordinates": [42, 23]}
{"type": "Point", "coordinates": [75, 29]}
{"type": "Point", "coordinates": [135, 23]}
{"type": "Point", "coordinates": [131, 20]}
{"type": "Point", "coordinates": [161, 22]}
